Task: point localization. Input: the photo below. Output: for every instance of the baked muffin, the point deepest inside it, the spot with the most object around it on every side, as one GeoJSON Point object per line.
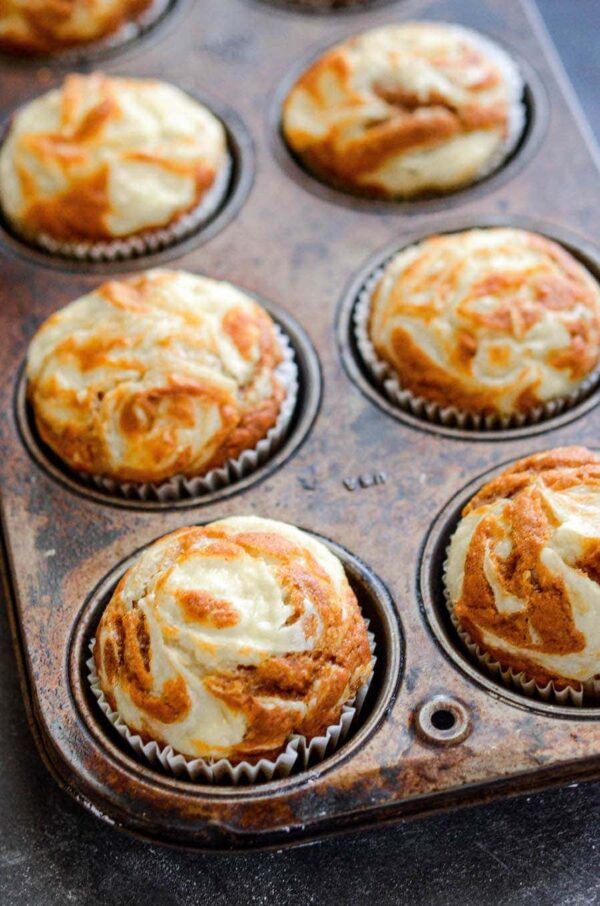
{"type": "Point", "coordinates": [489, 321]}
{"type": "Point", "coordinates": [105, 158]}
{"type": "Point", "coordinates": [161, 374]}
{"type": "Point", "coordinates": [523, 568]}
{"type": "Point", "coordinates": [406, 110]}
{"type": "Point", "coordinates": [50, 26]}
{"type": "Point", "coordinates": [223, 640]}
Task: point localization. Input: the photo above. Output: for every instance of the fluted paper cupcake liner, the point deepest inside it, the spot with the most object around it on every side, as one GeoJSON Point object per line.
{"type": "Point", "coordinates": [299, 753]}
{"type": "Point", "coordinates": [179, 487]}
{"type": "Point", "coordinates": [519, 679]}
{"type": "Point", "coordinates": [449, 416]}
{"type": "Point", "coordinates": [147, 242]}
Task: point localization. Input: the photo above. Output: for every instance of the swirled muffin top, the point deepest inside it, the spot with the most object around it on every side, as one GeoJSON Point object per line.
{"type": "Point", "coordinates": [48, 26]}
{"type": "Point", "coordinates": [523, 570]}
{"type": "Point", "coordinates": [488, 321]}
{"type": "Point", "coordinates": [405, 110]}
{"type": "Point", "coordinates": [162, 374]}
{"type": "Point", "coordinates": [224, 639]}
{"type": "Point", "coordinates": [103, 157]}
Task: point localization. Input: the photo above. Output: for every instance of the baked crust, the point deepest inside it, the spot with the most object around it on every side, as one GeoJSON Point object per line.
{"type": "Point", "coordinates": [49, 26]}
{"type": "Point", "coordinates": [405, 110]}
{"type": "Point", "coordinates": [493, 321]}
{"type": "Point", "coordinates": [105, 157]}
{"type": "Point", "coordinates": [523, 569]}
{"type": "Point", "coordinates": [223, 640]}
{"type": "Point", "coordinates": [161, 374]}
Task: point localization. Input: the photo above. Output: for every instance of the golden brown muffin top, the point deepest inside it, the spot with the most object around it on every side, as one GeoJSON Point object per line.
{"type": "Point", "coordinates": [103, 157]}
{"type": "Point", "coordinates": [406, 109]}
{"type": "Point", "coordinates": [523, 569]}
{"type": "Point", "coordinates": [161, 374]}
{"type": "Point", "coordinates": [224, 639]}
{"type": "Point", "coordinates": [488, 321]}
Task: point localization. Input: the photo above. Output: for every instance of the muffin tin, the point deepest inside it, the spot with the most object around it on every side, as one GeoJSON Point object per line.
{"type": "Point", "coordinates": [384, 490]}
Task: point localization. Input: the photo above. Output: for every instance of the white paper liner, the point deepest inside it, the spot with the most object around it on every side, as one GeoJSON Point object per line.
{"type": "Point", "coordinates": [179, 487]}
{"type": "Point", "coordinates": [299, 752]}
{"type": "Point", "coordinates": [449, 416]}
{"type": "Point", "coordinates": [126, 34]}
{"type": "Point", "coordinates": [148, 242]}
{"type": "Point", "coordinates": [519, 680]}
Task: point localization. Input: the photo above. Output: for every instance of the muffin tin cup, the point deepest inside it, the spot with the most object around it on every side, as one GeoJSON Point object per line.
{"type": "Point", "coordinates": [148, 242]}
{"type": "Point", "coordinates": [181, 488]}
{"type": "Point", "coordinates": [562, 695]}
{"type": "Point", "coordinates": [299, 753]}
{"type": "Point", "coordinates": [448, 416]}
{"type": "Point", "coordinates": [520, 122]}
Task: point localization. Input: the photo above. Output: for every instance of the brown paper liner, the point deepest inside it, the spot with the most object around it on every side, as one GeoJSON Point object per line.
{"type": "Point", "coordinates": [519, 680]}
{"type": "Point", "coordinates": [299, 753]}
{"type": "Point", "coordinates": [179, 487]}
{"type": "Point", "coordinates": [448, 416]}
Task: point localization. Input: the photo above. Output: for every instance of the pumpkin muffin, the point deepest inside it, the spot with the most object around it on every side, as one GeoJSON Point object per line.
{"type": "Point", "coordinates": [50, 26]}
{"type": "Point", "coordinates": [104, 158]}
{"type": "Point", "coordinates": [224, 640]}
{"type": "Point", "coordinates": [523, 568]}
{"type": "Point", "coordinates": [490, 321]}
{"type": "Point", "coordinates": [158, 375]}
{"type": "Point", "coordinates": [406, 110]}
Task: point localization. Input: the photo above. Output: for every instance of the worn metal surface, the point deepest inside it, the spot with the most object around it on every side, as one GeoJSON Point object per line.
{"type": "Point", "coordinates": [299, 248]}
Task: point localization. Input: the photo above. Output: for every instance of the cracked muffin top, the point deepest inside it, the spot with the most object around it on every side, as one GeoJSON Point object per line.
{"type": "Point", "coordinates": [222, 640]}
{"type": "Point", "coordinates": [161, 374]}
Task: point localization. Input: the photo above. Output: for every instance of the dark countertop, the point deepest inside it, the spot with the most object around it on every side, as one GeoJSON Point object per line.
{"type": "Point", "coordinates": [536, 849]}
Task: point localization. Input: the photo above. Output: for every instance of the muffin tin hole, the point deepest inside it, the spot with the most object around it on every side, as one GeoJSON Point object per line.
{"type": "Point", "coordinates": [435, 609]}
{"type": "Point", "coordinates": [536, 121]}
{"type": "Point", "coordinates": [305, 411]}
{"type": "Point", "coordinates": [148, 26]}
{"type": "Point", "coordinates": [326, 7]}
{"type": "Point", "coordinates": [361, 375]}
{"type": "Point", "coordinates": [442, 721]}
{"type": "Point", "coordinates": [239, 181]}
{"type": "Point", "coordinates": [376, 606]}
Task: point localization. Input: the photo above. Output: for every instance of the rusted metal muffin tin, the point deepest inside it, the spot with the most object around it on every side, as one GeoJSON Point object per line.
{"type": "Point", "coordinates": [385, 487]}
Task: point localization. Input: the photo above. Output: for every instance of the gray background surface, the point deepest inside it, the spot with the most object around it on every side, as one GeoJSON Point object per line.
{"type": "Point", "coordinates": [539, 849]}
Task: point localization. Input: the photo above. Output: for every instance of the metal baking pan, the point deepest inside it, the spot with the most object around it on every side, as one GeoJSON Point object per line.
{"type": "Point", "coordinates": [385, 489]}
